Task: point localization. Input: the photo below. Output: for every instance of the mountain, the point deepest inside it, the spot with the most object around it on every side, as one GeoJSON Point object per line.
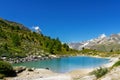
{"type": "Point", "coordinates": [16, 40]}
{"type": "Point", "coordinates": [101, 43]}
{"type": "Point", "coordinates": [21, 26]}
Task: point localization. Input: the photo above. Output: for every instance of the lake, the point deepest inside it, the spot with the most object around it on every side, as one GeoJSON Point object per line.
{"type": "Point", "coordinates": [66, 64]}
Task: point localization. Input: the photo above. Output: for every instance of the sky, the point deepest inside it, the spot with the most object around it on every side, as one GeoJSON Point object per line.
{"type": "Point", "coordinates": [69, 20]}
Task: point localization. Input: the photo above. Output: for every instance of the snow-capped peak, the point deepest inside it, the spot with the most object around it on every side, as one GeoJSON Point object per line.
{"type": "Point", "coordinates": [102, 36]}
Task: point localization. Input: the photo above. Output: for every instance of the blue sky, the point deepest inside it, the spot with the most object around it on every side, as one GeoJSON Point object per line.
{"type": "Point", "coordinates": [70, 20]}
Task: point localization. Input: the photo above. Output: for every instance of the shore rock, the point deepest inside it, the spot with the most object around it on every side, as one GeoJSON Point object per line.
{"type": "Point", "coordinates": [89, 77]}
{"type": "Point", "coordinates": [20, 69]}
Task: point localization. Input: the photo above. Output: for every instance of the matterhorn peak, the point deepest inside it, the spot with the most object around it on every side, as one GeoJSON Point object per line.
{"type": "Point", "coordinates": [37, 29]}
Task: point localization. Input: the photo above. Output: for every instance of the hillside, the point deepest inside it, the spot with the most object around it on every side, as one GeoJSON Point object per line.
{"type": "Point", "coordinates": [16, 40]}
{"type": "Point", "coordinates": [102, 43]}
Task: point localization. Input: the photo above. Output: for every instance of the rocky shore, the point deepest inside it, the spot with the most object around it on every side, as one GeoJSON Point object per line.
{"type": "Point", "coordinates": [28, 58]}
{"type": "Point", "coordinates": [36, 74]}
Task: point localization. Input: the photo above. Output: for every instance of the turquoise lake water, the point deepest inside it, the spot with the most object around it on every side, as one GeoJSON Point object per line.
{"type": "Point", "coordinates": [66, 64]}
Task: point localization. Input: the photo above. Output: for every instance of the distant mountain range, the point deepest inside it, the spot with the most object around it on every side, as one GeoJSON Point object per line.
{"type": "Point", "coordinates": [101, 43]}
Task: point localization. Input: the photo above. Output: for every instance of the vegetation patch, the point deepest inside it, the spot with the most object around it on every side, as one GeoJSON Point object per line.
{"type": "Point", "coordinates": [2, 76]}
{"type": "Point", "coordinates": [6, 69]}
{"type": "Point", "coordinates": [99, 72]}
{"type": "Point", "coordinates": [18, 41]}
{"type": "Point", "coordinates": [116, 64]}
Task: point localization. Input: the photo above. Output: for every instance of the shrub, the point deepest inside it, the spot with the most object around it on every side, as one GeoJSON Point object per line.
{"type": "Point", "coordinates": [99, 72]}
{"type": "Point", "coordinates": [6, 69]}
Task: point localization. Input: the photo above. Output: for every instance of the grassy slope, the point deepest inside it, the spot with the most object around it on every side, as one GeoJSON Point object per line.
{"type": "Point", "coordinates": [18, 41]}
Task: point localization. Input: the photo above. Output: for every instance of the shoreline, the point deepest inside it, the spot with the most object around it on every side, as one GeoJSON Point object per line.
{"type": "Point", "coordinates": [28, 58]}
{"type": "Point", "coordinates": [112, 62]}
{"type": "Point", "coordinates": [36, 58]}
{"type": "Point", "coordinates": [44, 74]}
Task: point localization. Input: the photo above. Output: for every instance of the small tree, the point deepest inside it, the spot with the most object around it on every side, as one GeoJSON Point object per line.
{"type": "Point", "coordinates": [83, 48]}
{"type": "Point", "coordinates": [111, 50]}
{"type": "Point", "coordinates": [5, 46]}
{"type": "Point", "coordinates": [16, 40]}
{"type": "Point", "coordinates": [66, 47]}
